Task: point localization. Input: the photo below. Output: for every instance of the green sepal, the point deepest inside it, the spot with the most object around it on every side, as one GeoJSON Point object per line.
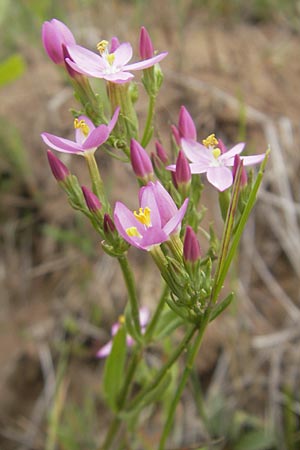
{"type": "Point", "coordinates": [114, 369]}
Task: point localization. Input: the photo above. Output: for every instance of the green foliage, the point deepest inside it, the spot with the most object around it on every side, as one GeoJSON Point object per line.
{"type": "Point", "coordinates": [74, 237]}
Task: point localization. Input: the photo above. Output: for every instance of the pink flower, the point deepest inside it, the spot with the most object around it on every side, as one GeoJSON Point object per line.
{"type": "Point", "coordinates": [140, 161]}
{"type": "Point", "coordinates": [209, 158]}
{"type": "Point", "coordinates": [157, 218]}
{"type": "Point", "coordinates": [104, 351]}
{"type": "Point", "coordinates": [87, 137]}
{"type": "Point", "coordinates": [186, 127]}
{"type": "Point", "coordinates": [112, 66]}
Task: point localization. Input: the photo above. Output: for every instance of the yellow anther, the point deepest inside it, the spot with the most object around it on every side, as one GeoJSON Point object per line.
{"type": "Point", "coordinates": [210, 141]}
{"type": "Point", "coordinates": [133, 232]}
{"type": "Point", "coordinates": [143, 216]}
{"type": "Point", "coordinates": [121, 319]}
{"type": "Point", "coordinates": [216, 153]}
{"type": "Point", "coordinates": [102, 46]}
{"type": "Point", "coordinates": [82, 124]}
{"type": "Point", "coordinates": [110, 58]}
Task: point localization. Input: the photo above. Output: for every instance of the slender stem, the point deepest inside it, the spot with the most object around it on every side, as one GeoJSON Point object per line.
{"type": "Point", "coordinates": [148, 126]}
{"type": "Point", "coordinates": [188, 368]}
{"type": "Point", "coordinates": [114, 427]}
{"type": "Point", "coordinates": [152, 325]}
{"type": "Point", "coordinates": [133, 300]}
{"type": "Point", "coordinates": [164, 370]}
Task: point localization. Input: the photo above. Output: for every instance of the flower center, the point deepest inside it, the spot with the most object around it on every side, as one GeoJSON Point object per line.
{"type": "Point", "coordinates": [82, 125]}
{"type": "Point", "coordinates": [210, 141]}
{"type": "Point", "coordinates": [102, 48]}
{"type": "Point", "coordinates": [121, 319]}
{"type": "Point", "coordinates": [143, 216]}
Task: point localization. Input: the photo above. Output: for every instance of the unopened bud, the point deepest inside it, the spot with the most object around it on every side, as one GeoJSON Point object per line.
{"type": "Point", "coordinates": [161, 153]}
{"type": "Point", "coordinates": [59, 170]}
{"type": "Point", "coordinates": [186, 126]}
{"type": "Point", "coordinates": [237, 162]}
{"type": "Point", "coordinates": [191, 246]}
{"type": "Point", "coordinates": [108, 225]}
{"type": "Point", "coordinates": [145, 45]}
{"type": "Point", "coordinates": [140, 161]}
{"type": "Point", "coordinates": [92, 201]}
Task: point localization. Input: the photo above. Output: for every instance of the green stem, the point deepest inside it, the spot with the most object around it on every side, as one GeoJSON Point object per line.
{"type": "Point", "coordinates": [152, 325]}
{"type": "Point", "coordinates": [130, 284]}
{"type": "Point", "coordinates": [163, 371]}
{"type": "Point", "coordinates": [115, 425]}
{"type": "Point", "coordinates": [148, 126]}
{"type": "Point", "coordinates": [188, 368]}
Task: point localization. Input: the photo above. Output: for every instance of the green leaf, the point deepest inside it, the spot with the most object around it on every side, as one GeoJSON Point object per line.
{"type": "Point", "coordinates": [114, 368]}
{"type": "Point", "coordinates": [220, 307]}
{"type": "Point", "coordinates": [168, 322]}
{"type": "Point", "coordinates": [255, 440]}
{"type": "Point", "coordinates": [11, 69]}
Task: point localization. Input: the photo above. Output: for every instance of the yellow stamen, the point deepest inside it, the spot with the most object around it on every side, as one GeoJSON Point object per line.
{"type": "Point", "coordinates": [82, 124]}
{"type": "Point", "coordinates": [102, 46]}
{"type": "Point", "coordinates": [121, 319]}
{"type": "Point", "coordinates": [133, 232]}
{"type": "Point", "coordinates": [110, 58]}
{"type": "Point", "coordinates": [143, 216]}
{"type": "Point", "coordinates": [210, 141]}
{"type": "Point", "coordinates": [216, 153]}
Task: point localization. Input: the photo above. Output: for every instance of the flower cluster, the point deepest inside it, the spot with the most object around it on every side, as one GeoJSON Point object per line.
{"type": "Point", "coordinates": [167, 217]}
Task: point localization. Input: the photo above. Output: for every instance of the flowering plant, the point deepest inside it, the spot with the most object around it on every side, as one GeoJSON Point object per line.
{"type": "Point", "coordinates": [165, 223]}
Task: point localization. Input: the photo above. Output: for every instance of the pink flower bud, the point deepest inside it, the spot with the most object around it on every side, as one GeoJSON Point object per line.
{"type": "Point", "coordinates": [146, 47]}
{"type": "Point", "coordinates": [108, 225]}
{"type": "Point", "coordinates": [176, 134]}
{"type": "Point", "coordinates": [56, 36]}
{"type": "Point", "coordinates": [222, 146]}
{"type": "Point", "coordinates": [161, 153]}
{"type": "Point", "coordinates": [140, 161]}
{"type": "Point", "coordinates": [237, 162]}
{"type": "Point", "coordinates": [59, 170]}
{"type": "Point", "coordinates": [92, 201]}
{"type": "Point", "coordinates": [186, 126]}
{"type": "Point", "coordinates": [183, 171]}
{"type": "Point", "coordinates": [191, 246]}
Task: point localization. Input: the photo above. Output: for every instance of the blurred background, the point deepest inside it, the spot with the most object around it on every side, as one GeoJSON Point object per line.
{"type": "Point", "coordinates": [235, 65]}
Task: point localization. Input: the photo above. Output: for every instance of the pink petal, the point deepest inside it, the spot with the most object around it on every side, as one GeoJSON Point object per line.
{"type": "Point", "coordinates": [152, 236]}
{"type": "Point", "coordinates": [60, 144]}
{"type": "Point", "coordinates": [97, 73]}
{"type": "Point", "coordinates": [79, 135]}
{"type": "Point", "coordinates": [96, 138]}
{"type": "Point", "coordinates": [105, 350]}
{"type": "Point", "coordinates": [146, 62]}
{"type": "Point", "coordinates": [220, 177]}
{"type": "Point", "coordinates": [236, 150]}
{"type": "Point", "coordinates": [118, 77]}
{"type": "Point", "coordinates": [85, 59]}
{"type": "Point", "coordinates": [174, 224]}
{"type": "Point", "coordinates": [195, 152]}
{"type": "Point", "coordinates": [199, 168]}
{"type": "Point", "coordinates": [123, 54]}
{"type": "Point", "coordinates": [124, 219]}
{"type": "Point", "coordinates": [144, 315]}
{"type": "Point", "coordinates": [253, 159]}
{"type": "Point", "coordinates": [166, 205]}
{"type": "Point", "coordinates": [114, 120]}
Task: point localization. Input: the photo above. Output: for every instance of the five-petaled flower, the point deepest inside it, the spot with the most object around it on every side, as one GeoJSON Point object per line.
{"type": "Point", "coordinates": [144, 315]}
{"type": "Point", "coordinates": [211, 157]}
{"type": "Point", "coordinates": [156, 219]}
{"type": "Point", "coordinates": [87, 137]}
{"type": "Point", "coordinates": [110, 64]}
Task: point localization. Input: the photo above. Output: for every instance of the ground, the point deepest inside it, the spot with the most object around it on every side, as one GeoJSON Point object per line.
{"type": "Point", "coordinates": [238, 79]}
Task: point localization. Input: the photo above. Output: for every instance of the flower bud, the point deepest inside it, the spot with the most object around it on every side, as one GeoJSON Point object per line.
{"type": "Point", "coordinates": [56, 36]}
{"type": "Point", "coordinates": [191, 246]}
{"type": "Point", "coordinates": [92, 201]}
{"type": "Point", "coordinates": [59, 170]}
{"type": "Point", "coordinates": [108, 225]}
{"type": "Point", "coordinates": [186, 126]}
{"type": "Point", "coordinates": [145, 45]}
{"type": "Point", "coordinates": [176, 134]}
{"type": "Point", "coordinates": [161, 153]}
{"type": "Point", "coordinates": [114, 44]}
{"type": "Point", "coordinates": [237, 162]}
{"type": "Point", "coordinates": [140, 161]}
{"type": "Point", "coordinates": [183, 174]}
